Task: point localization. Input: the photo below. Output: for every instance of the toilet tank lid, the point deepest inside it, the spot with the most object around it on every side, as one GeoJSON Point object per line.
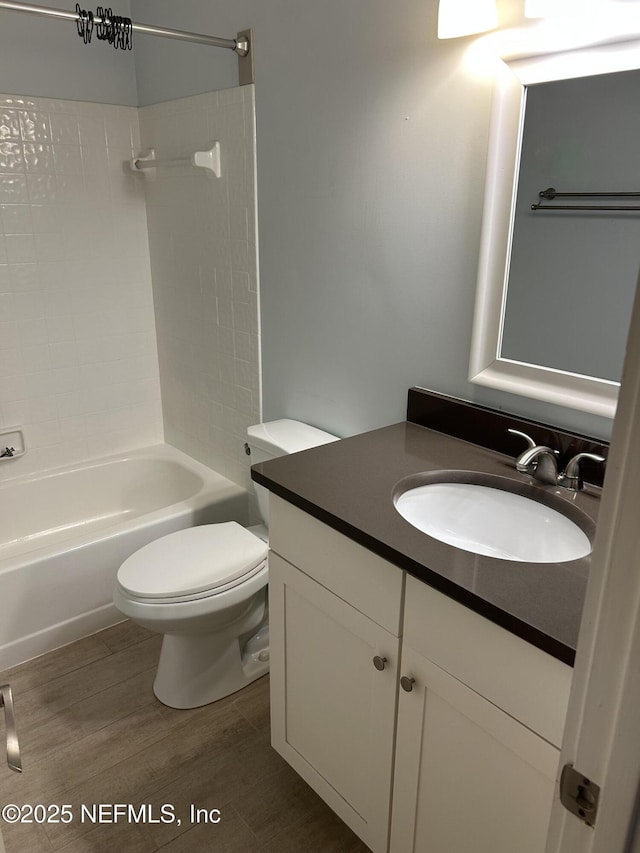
{"type": "Point", "coordinates": [286, 436]}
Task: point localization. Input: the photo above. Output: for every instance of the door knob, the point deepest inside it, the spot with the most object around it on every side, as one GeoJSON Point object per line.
{"type": "Point", "coordinates": [13, 747]}
{"type": "Point", "coordinates": [407, 683]}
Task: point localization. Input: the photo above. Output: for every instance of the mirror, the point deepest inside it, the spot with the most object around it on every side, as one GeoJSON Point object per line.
{"type": "Point", "coordinates": [555, 288]}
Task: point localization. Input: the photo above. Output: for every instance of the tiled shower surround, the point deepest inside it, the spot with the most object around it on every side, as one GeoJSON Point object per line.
{"type": "Point", "coordinates": [78, 358]}
{"type": "Point", "coordinates": [84, 362]}
{"type": "Point", "coordinates": [202, 239]}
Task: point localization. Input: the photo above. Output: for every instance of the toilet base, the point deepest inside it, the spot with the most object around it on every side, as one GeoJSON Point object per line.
{"type": "Point", "coordinates": [195, 671]}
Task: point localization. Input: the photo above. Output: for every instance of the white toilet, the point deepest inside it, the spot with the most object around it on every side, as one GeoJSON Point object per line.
{"type": "Point", "coordinates": [205, 589]}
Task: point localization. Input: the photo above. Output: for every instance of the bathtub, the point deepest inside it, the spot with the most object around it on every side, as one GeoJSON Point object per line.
{"type": "Point", "coordinates": [64, 534]}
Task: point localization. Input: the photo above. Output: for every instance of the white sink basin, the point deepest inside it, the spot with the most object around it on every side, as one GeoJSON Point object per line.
{"type": "Point", "coordinates": [493, 522]}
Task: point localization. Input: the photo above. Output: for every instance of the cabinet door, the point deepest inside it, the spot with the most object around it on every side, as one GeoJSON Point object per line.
{"type": "Point", "coordinates": [333, 712]}
{"type": "Point", "coordinates": [468, 778]}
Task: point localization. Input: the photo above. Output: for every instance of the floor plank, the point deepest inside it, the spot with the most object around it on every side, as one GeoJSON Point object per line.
{"type": "Point", "coordinates": [47, 668]}
{"type": "Point", "coordinates": [92, 732]}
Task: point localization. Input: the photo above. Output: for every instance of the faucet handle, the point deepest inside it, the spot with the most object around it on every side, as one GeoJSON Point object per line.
{"type": "Point", "coordinates": [572, 477]}
{"type": "Point", "coordinates": [530, 442]}
{"type": "Point", "coordinates": [538, 460]}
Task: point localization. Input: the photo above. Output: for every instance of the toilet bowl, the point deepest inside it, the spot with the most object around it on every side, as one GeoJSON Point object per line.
{"type": "Point", "coordinates": [205, 589]}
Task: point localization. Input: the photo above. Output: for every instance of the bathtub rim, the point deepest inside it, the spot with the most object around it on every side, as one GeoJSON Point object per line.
{"type": "Point", "coordinates": [210, 479]}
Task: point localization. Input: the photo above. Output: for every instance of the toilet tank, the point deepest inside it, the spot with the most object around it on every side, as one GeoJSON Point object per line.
{"type": "Point", "coordinates": [279, 438]}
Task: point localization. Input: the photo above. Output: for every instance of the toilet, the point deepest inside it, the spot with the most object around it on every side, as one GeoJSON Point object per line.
{"type": "Point", "coordinates": [205, 589]}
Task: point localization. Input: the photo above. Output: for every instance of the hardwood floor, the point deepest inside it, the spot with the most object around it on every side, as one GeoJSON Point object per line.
{"type": "Point", "coordinates": [92, 732]}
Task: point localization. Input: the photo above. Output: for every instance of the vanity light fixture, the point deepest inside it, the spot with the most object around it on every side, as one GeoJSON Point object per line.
{"type": "Point", "coordinates": [465, 17]}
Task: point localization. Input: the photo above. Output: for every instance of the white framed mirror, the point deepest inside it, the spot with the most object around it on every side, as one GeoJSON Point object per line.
{"type": "Point", "coordinates": [552, 324]}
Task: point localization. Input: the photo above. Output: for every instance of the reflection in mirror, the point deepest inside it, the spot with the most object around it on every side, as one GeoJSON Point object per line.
{"type": "Point", "coordinates": [555, 288]}
{"type": "Point", "coordinates": [572, 273]}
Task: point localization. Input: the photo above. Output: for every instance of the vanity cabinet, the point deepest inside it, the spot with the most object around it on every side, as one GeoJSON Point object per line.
{"type": "Point", "coordinates": [478, 734]}
{"type": "Point", "coordinates": [448, 742]}
{"type": "Point", "coordinates": [468, 777]}
{"type": "Point", "coordinates": [333, 709]}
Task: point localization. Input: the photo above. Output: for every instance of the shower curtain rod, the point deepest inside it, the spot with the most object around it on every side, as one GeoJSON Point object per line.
{"type": "Point", "coordinates": [240, 45]}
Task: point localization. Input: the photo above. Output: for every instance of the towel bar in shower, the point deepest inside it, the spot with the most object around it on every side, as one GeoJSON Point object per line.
{"type": "Point", "coordinates": [208, 159]}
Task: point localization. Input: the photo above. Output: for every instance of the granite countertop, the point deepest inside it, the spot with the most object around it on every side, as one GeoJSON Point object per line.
{"type": "Point", "coordinates": [349, 486]}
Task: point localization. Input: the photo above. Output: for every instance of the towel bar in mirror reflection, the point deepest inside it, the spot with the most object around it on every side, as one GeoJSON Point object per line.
{"type": "Point", "coordinates": [550, 194]}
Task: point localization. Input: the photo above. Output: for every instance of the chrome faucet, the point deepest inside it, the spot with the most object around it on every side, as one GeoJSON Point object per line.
{"type": "Point", "coordinates": [538, 460]}
{"type": "Point", "coordinates": [541, 462]}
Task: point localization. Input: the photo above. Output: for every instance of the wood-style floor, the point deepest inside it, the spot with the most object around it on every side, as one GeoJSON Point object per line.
{"type": "Point", "coordinates": [91, 732]}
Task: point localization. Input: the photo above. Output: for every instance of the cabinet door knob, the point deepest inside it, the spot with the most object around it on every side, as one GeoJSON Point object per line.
{"type": "Point", "coordinates": [379, 662]}
{"type": "Point", "coordinates": [407, 683]}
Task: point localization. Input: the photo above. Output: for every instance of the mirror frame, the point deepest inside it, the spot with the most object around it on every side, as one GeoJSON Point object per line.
{"type": "Point", "coordinates": [486, 366]}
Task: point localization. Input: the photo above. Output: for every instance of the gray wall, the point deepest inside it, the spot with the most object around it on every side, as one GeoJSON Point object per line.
{"type": "Point", "coordinates": [372, 143]}
{"type": "Point", "coordinates": [46, 58]}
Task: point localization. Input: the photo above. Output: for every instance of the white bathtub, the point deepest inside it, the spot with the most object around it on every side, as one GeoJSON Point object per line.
{"type": "Point", "coordinates": [64, 534]}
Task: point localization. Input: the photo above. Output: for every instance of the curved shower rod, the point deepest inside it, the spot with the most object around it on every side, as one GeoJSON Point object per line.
{"type": "Point", "coordinates": [241, 45]}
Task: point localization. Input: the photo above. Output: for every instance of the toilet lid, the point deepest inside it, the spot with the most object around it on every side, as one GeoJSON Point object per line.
{"type": "Point", "coordinates": [194, 560]}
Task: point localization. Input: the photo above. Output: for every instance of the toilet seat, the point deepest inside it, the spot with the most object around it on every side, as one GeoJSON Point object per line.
{"type": "Point", "coordinates": [194, 563]}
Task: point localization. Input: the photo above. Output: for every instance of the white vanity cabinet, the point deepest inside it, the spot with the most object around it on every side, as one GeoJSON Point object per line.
{"type": "Point", "coordinates": [468, 777]}
{"type": "Point", "coordinates": [472, 771]}
{"type": "Point", "coordinates": [333, 711]}
{"type": "Point", "coordinates": [452, 750]}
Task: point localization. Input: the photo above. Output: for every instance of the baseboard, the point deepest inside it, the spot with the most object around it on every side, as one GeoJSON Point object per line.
{"type": "Point", "coordinates": [41, 642]}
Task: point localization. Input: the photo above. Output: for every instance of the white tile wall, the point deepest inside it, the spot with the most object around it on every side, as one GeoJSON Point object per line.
{"type": "Point", "coordinates": [78, 357]}
{"type": "Point", "coordinates": [202, 237]}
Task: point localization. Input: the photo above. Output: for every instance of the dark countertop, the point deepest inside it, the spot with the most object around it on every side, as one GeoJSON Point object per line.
{"type": "Point", "coordinates": [349, 486]}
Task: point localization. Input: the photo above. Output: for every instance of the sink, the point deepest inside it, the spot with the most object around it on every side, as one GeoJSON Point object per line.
{"type": "Point", "coordinates": [493, 518]}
